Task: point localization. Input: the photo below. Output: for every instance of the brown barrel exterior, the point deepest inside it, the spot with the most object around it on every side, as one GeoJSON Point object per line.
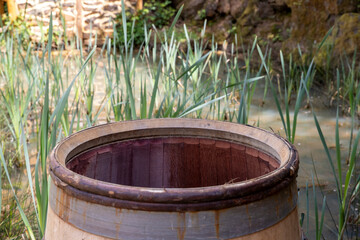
{"type": "Point", "coordinates": [173, 179]}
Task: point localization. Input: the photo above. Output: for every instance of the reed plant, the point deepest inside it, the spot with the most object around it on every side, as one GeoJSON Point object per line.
{"type": "Point", "coordinates": [289, 124]}
{"type": "Point", "coordinates": [349, 75]}
{"type": "Point", "coordinates": [247, 85]}
{"type": "Point", "coordinates": [319, 221]}
{"type": "Point", "coordinates": [347, 180]}
{"type": "Point", "coordinates": [17, 94]}
{"type": "Point", "coordinates": [307, 74]}
{"type": "Point", "coordinates": [163, 77]}
{"type": "Point", "coordinates": [17, 97]}
{"type": "Point", "coordinates": [177, 82]}
{"type": "Point", "coordinates": [19, 205]}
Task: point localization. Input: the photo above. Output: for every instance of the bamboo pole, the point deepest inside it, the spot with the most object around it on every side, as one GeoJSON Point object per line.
{"type": "Point", "coordinates": [139, 5]}
{"type": "Point", "coordinates": [12, 9]}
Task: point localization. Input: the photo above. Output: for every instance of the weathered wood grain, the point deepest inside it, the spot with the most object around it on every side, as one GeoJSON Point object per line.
{"type": "Point", "coordinates": [173, 179]}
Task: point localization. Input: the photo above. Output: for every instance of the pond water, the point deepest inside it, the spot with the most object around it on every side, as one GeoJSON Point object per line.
{"type": "Point", "coordinates": [307, 142]}
{"type": "Point", "coordinates": [312, 155]}
{"type": "Point", "coordinates": [313, 160]}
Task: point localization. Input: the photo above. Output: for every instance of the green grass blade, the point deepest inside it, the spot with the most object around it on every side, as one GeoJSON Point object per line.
{"type": "Point", "coordinates": [298, 102]}
{"type": "Point", "coordinates": [143, 98]}
{"type": "Point", "coordinates": [62, 102]}
{"type": "Point", "coordinates": [129, 91]}
{"type": "Point", "coordinates": [322, 217]}
{"type": "Point", "coordinates": [350, 171]}
{"type": "Point", "coordinates": [327, 151]}
{"type": "Point", "coordinates": [28, 168]}
{"type": "Point", "coordinates": [21, 211]}
{"type": "Point", "coordinates": [278, 106]}
{"type": "Point", "coordinates": [307, 208]}
{"type": "Point", "coordinates": [37, 182]}
{"type": "Point", "coordinates": [329, 158]}
{"type": "Point", "coordinates": [124, 24]}
{"type": "Point", "coordinates": [155, 89]}
{"type": "Point", "coordinates": [44, 131]}
{"type": "Point", "coordinates": [337, 137]}
{"type": "Point", "coordinates": [287, 111]}
{"type": "Point", "coordinates": [316, 209]}
{"type": "Point", "coordinates": [277, 102]}
{"type": "Point", "coordinates": [159, 112]}
{"type": "Point", "coordinates": [325, 37]}
{"type": "Point", "coordinates": [188, 111]}
{"type": "Point", "coordinates": [1, 188]}
{"type": "Point", "coordinates": [194, 66]}
{"type": "Point", "coordinates": [176, 18]}
{"type": "Point", "coordinates": [322, 192]}
{"type": "Point", "coordinates": [248, 81]}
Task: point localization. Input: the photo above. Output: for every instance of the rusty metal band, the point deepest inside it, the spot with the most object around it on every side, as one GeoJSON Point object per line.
{"type": "Point", "coordinates": [176, 206]}
{"type": "Point", "coordinates": [117, 223]}
{"type": "Point", "coordinates": [263, 186]}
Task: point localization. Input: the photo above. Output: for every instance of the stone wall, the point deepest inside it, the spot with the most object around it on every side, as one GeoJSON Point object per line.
{"type": "Point", "coordinates": [284, 23]}
{"type": "Point", "coordinates": [80, 17]}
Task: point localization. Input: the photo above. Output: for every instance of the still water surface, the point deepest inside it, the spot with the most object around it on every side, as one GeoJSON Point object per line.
{"type": "Point", "coordinates": [312, 155]}
{"type": "Point", "coordinates": [313, 160]}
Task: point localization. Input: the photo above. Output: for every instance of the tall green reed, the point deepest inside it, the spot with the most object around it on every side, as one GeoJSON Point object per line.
{"type": "Point", "coordinates": [52, 116]}
{"type": "Point", "coordinates": [289, 124]}
{"type": "Point", "coordinates": [349, 75]}
{"type": "Point", "coordinates": [16, 94]}
{"type": "Point", "coordinates": [245, 83]}
{"type": "Point", "coordinates": [319, 222]}
{"type": "Point", "coordinates": [347, 180]}
{"type": "Point", "coordinates": [11, 225]}
{"type": "Point", "coordinates": [307, 75]}
{"type": "Point", "coordinates": [176, 82]}
{"type": "Point", "coordinates": [3, 165]}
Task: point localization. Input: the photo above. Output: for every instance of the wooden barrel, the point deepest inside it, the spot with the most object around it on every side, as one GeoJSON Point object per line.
{"type": "Point", "coordinates": [173, 179]}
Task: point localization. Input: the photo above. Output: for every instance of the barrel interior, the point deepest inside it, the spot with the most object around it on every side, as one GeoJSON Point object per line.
{"type": "Point", "coordinates": [173, 162]}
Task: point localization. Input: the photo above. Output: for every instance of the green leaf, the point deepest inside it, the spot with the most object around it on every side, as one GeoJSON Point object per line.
{"type": "Point", "coordinates": [155, 89]}
{"type": "Point", "coordinates": [193, 109]}
{"type": "Point", "coordinates": [21, 211]}
{"type": "Point", "coordinates": [176, 18]}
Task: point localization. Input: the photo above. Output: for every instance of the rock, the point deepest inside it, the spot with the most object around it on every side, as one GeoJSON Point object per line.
{"type": "Point", "coordinates": [248, 19]}
{"type": "Point", "coordinates": [284, 22]}
{"type": "Point", "coordinates": [344, 39]}
{"type": "Point", "coordinates": [224, 7]}
{"type": "Point", "coordinates": [310, 20]}
{"type": "Point", "coordinates": [279, 5]}
{"type": "Point", "coordinates": [177, 3]}
{"type": "Point", "coordinates": [211, 7]}
{"type": "Point", "coordinates": [191, 8]}
{"type": "Point", "coordinates": [278, 2]}
{"type": "Point", "coordinates": [346, 6]}
{"type": "Point", "coordinates": [265, 10]}
{"type": "Point", "coordinates": [221, 29]}
{"type": "Point", "coordinates": [237, 7]}
{"type": "Point", "coordinates": [346, 34]}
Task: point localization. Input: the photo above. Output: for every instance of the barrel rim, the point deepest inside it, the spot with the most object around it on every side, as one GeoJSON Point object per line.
{"type": "Point", "coordinates": [144, 197]}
